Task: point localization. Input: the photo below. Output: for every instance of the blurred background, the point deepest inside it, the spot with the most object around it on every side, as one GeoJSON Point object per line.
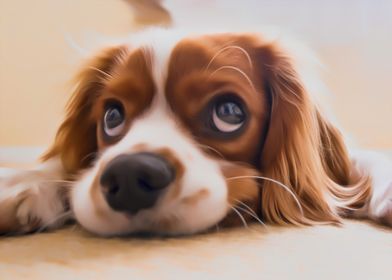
{"type": "Point", "coordinates": [42, 43]}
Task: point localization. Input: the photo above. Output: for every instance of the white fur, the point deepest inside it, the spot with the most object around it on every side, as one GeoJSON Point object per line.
{"type": "Point", "coordinates": [157, 129]}
{"type": "Point", "coordinates": [43, 200]}
{"type": "Point", "coordinates": [379, 166]}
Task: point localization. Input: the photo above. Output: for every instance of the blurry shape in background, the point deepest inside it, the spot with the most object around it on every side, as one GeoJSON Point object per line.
{"type": "Point", "coordinates": [150, 12]}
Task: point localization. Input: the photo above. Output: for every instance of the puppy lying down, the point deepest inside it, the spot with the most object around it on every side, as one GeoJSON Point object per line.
{"type": "Point", "coordinates": [171, 133]}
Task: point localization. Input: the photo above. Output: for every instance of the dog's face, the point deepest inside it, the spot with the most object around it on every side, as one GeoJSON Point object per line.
{"type": "Point", "coordinates": [172, 139]}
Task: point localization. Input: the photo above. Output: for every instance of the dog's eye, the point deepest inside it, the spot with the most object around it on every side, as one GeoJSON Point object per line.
{"type": "Point", "coordinates": [228, 116]}
{"type": "Point", "coordinates": [113, 121]}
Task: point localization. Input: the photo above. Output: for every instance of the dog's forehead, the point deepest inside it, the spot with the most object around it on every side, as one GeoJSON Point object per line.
{"type": "Point", "coordinates": [173, 55]}
{"type": "Point", "coordinates": [157, 45]}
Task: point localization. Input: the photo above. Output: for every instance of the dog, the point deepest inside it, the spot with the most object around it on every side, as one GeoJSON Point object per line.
{"type": "Point", "coordinates": [174, 134]}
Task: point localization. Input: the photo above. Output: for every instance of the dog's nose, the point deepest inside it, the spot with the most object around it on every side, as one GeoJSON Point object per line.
{"type": "Point", "coordinates": [131, 182]}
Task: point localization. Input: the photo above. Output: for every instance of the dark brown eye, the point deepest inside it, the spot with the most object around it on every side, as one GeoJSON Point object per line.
{"type": "Point", "coordinates": [228, 116]}
{"type": "Point", "coordinates": [113, 120]}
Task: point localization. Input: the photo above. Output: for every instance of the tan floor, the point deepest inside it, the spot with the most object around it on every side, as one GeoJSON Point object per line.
{"type": "Point", "coordinates": [357, 250]}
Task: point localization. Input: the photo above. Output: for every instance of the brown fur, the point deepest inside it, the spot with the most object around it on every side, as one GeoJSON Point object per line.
{"type": "Point", "coordinates": [195, 77]}
{"type": "Point", "coordinates": [76, 137]}
{"type": "Point", "coordinates": [286, 139]}
{"type": "Point", "coordinates": [115, 74]}
{"type": "Point", "coordinates": [303, 151]}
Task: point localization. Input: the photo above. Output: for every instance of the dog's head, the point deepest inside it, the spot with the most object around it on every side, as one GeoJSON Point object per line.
{"type": "Point", "coordinates": [177, 136]}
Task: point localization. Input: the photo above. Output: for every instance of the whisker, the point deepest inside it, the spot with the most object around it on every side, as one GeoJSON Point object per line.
{"type": "Point", "coordinates": [244, 204]}
{"type": "Point", "coordinates": [276, 182]}
{"type": "Point", "coordinates": [239, 215]}
{"type": "Point", "coordinates": [60, 184]}
{"type": "Point", "coordinates": [74, 227]}
{"type": "Point", "coordinates": [107, 75]}
{"type": "Point", "coordinates": [230, 47]}
{"type": "Point", "coordinates": [92, 154]}
{"type": "Point", "coordinates": [64, 215]}
{"type": "Point", "coordinates": [58, 181]}
{"type": "Point", "coordinates": [212, 149]}
{"type": "Point", "coordinates": [252, 215]}
{"type": "Point", "coordinates": [238, 70]}
{"type": "Point", "coordinates": [250, 212]}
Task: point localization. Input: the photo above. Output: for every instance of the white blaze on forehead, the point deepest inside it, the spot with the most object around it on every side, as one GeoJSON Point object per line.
{"type": "Point", "coordinates": [159, 43]}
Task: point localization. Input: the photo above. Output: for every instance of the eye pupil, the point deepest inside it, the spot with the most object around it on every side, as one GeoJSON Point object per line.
{"type": "Point", "coordinates": [113, 121]}
{"type": "Point", "coordinates": [227, 116]}
{"type": "Point", "coordinates": [230, 112]}
{"type": "Point", "coordinates": [113, 118]}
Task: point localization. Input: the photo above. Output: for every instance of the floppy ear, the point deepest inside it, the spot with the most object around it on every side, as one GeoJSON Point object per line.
{"type": "Point", "coordinates": [76, 141]}
{"type": "Point", "coordinates": [302, 151]}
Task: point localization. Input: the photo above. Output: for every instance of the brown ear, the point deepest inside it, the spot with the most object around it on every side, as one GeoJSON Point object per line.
{"type": "Point", "coordinates": [76, 141]}
{"type": "Point", "coordinates": [303, 152]}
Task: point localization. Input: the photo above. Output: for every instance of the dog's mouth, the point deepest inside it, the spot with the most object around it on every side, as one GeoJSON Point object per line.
{"type": "Point", "coordinates": [153, 224]}
{"type": "Point", "coordinates": [146, 192]}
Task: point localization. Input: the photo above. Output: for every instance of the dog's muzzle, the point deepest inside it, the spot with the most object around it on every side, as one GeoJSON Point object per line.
{"type": "Point", "coordinates": [132, 182]}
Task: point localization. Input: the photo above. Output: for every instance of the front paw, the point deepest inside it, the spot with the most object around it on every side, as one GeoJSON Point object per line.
{"type": "Point", "coordinates": [29, 203]}
{"type": "Point", "coordinates": [37, 211]}
{"type": "Point", "coordinates": [9, 222]}
{"type": "Point", "coordinates": [18, 214]}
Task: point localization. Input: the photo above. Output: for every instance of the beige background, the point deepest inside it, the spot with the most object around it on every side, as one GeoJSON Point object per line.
{"type": "Point", "coordinates": [37, 61]}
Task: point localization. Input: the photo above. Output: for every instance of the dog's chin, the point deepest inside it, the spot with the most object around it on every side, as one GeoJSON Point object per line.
{"type": "Point", "coordinates": [181, 216]}
{"type": "Point", "coordinates": [146, 223]}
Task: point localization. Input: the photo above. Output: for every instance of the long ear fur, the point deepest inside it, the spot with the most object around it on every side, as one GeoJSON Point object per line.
{"type": "Point", "coordinates": [304, 152]}
{"type": "Point", "coordinates": [75, 141]}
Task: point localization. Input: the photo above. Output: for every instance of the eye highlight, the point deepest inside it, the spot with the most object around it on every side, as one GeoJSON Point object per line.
{"type": "Point", "coordinates": [228, 115]}
{"type": "Point", "coordinates": [113, 120]}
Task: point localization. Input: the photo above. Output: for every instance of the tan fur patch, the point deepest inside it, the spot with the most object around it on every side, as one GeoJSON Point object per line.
{"type": "Point", "coordinates": [179, 168]}
{"type": "Point", "coordinates": [200, 195]}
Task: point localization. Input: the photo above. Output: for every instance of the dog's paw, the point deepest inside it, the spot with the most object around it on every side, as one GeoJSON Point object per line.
{"type": "Point", "coordinates": [40, 208]}
{"type": "Point", "coordinates": [26, 218]}
{"type": "Point", "coordinates": [29, 202]}
{"type": "Point", "coordinates": [382, 207]}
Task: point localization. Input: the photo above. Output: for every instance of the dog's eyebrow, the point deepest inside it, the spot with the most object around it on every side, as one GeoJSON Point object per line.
{"type": "Point", "coordinates": [106, 75]}
{"type": "Point", "coordinates": [133, 78]}
{"type": "Point", "coordinates": [234, 47]}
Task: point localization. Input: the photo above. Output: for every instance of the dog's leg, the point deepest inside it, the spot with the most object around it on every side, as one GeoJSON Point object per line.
{"type": "Point", "coordinates": [33, 200]}
{"type": "Point", "coordinates": [379, 168]}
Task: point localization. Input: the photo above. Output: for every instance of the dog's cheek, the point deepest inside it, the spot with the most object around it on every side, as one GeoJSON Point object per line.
{"type": "Point", "coordinates": [243, 194]}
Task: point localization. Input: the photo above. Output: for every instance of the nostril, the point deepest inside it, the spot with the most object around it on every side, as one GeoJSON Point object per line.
{"type": "Point", "coordinates": [109, 184]}
{"type": "Point", "coordinates": [148, 184]}
{"type": "Point", "coordinates": [113, 188]}
{"type": "Point", "coordinates": [144, 184]}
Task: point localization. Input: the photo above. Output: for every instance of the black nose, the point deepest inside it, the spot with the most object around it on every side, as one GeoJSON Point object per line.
{"type": "Point", "coordinates": [131, 182]}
